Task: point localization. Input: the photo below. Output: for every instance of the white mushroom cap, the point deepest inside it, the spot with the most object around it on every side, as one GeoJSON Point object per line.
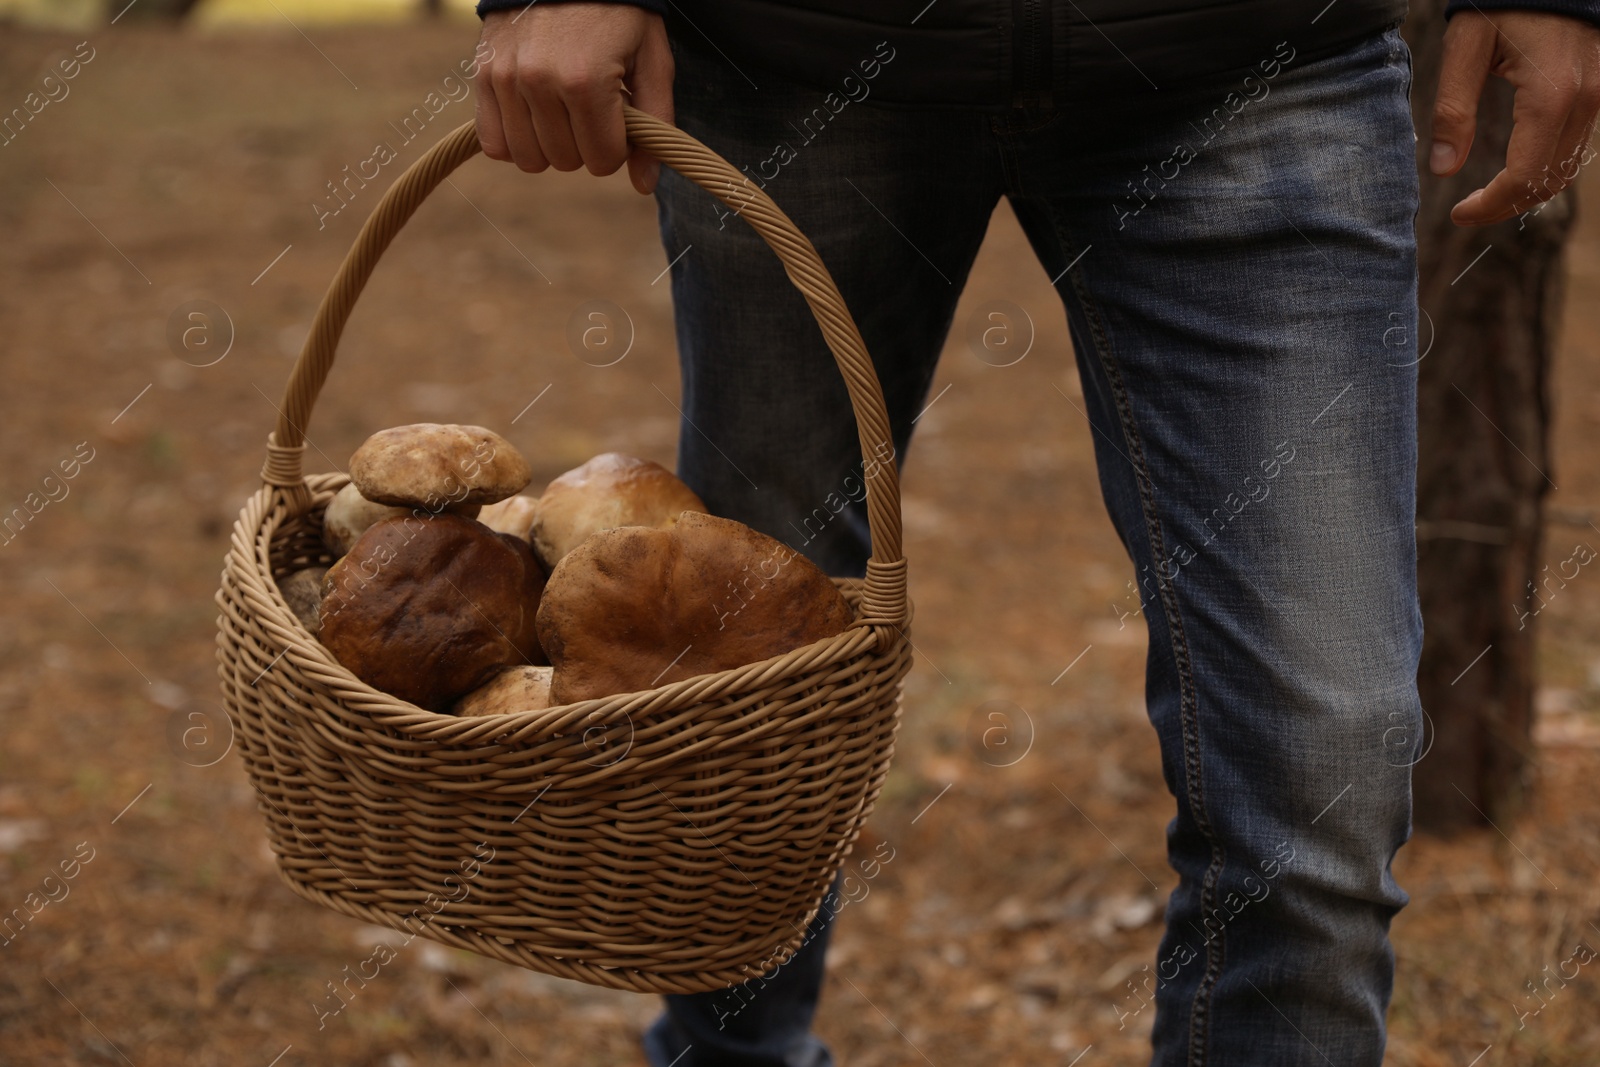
{"type": "Point", "coordinates": [513, 515]}
{"type": "Point", "coordinates": [514, 689]}
{"type": "Point", "coordinates": [349, 514]}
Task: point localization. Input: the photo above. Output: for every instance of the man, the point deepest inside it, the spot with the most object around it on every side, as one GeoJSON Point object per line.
{"type": "Point", "coordinates": [1223, 194]}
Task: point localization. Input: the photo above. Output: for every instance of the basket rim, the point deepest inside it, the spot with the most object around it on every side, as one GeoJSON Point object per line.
{"type": "Point", "coordinates": [319, 666]}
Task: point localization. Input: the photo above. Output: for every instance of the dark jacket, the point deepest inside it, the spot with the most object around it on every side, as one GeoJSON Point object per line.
{"type": "Point", "coordinates": [1010, 53]}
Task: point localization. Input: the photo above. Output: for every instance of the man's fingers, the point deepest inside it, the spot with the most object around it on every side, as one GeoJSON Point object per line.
{"type": "Point", "coordinates": [650, 81]}
{"type": "Point", "coordinates": [491, 130]}
{"type": "Point", "coordinates": [595, 106]}
{"type": "Point", "coordinates": [515, 121]}
{"type": "Point", "coordinates": [553, 93]}
{"type": "Point", "coordinates": [542, 96]}
{"type": "Point", "coordinates": [1468, 51]}
{"type": "Point", "coordinates": [651, 85]}
{"type": "Point", "coordinates": [1539, 112]}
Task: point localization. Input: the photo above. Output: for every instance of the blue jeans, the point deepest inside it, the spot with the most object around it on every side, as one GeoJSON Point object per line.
{"type": "Point", "coordinates": [1237, 262]}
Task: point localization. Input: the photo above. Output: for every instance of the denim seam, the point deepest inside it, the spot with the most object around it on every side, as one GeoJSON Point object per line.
{"type": "Point", "coordinates": [1400, 55]}
{"type": "Point", "coordinates": [1189, 704]}
{"type": "Point", "coordinates": [1005, 149]}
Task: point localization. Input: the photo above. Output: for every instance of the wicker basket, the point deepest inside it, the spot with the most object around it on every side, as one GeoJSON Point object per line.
{"type": "Point", "coordinates": [668, 841]}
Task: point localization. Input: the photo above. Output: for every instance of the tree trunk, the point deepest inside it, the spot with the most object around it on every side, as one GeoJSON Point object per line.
{"type": "Point", "coordinates": [1490, 300]}
{"type": "Point", "coordinates": [150, 10]}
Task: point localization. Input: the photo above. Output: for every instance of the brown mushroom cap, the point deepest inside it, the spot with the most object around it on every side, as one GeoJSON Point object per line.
{"type": "Point", "coordinates": [510, 691]}
{"type": "Point", "coordinates": [637, 607]}
{"type": "Point", "coordinates": [610, 490]}
{"type": "Point", "coordinates": [348, 515]}
{"type": "Point", "coordinates": [526, 636]}
{"type": "Point", "coordinates": [430, 609]}
{"type": "Point", "coordinates": [432, 466]}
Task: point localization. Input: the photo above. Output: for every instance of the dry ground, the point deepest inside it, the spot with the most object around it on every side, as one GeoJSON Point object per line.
{"type": "Point", "coordinates": [1005, 927]}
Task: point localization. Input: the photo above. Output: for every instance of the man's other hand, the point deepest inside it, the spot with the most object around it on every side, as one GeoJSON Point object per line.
{"type": "Point", "coordinates": [1553, 64]}
{"type": "Point", "coordinates": [551, 92]}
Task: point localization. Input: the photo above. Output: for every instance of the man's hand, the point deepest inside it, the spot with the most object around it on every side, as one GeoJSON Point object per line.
{"type": "Point", "coordinates": [1553, 63]}
{"type": "Point", "coordinates": [551, 92]}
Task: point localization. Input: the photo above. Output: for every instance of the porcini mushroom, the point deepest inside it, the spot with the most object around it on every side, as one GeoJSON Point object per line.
{"type": "Point", "coordinates": [433, 466]}
{"type": "Point", "coordinates": [512, 690]}
{"type": "Point", "coordinates": [610, 490]}
{"type": "Point", "coordinates": [637, 607]}
{"type": "Point", "coordinates": [429, 609]}
{"type": "Point", "coordinates": [348, 515]}
{"type": "Point", "coordinates": [513, 515]}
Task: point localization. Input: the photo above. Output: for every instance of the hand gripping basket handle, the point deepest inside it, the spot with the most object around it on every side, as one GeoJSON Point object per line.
{"type": "Point", "coordinates": [884, 593]}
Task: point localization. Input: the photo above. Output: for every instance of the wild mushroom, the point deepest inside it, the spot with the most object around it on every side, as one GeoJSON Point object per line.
{"type": "Point", "coordinates": [348, 515]}
{"type": "Point", "coordinates": [637, 607]}
{"type": "Point", "coordinates": [512, 690]}
{"type": "Point", "coordinates": [302, 591]}
{"type": "Point", "coordinates": [430, 609]}
{"type": "Point", "coordinates": [434, 466]}
{"type": "Point", "coordinates": [610, 490]}
{"type": "Point", "coordinates": [513, 515]}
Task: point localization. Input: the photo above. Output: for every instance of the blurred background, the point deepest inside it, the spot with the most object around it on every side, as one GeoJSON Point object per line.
{"type": "Point", "coordinates": [185, 172]}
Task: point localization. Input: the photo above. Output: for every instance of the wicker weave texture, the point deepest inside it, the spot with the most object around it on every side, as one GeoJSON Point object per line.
{"type": "Point", "coordinates": [673, 840]}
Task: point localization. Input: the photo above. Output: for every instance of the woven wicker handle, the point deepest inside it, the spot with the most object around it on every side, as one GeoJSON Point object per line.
{"type": "Point", "coordinates": [884, 597]}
